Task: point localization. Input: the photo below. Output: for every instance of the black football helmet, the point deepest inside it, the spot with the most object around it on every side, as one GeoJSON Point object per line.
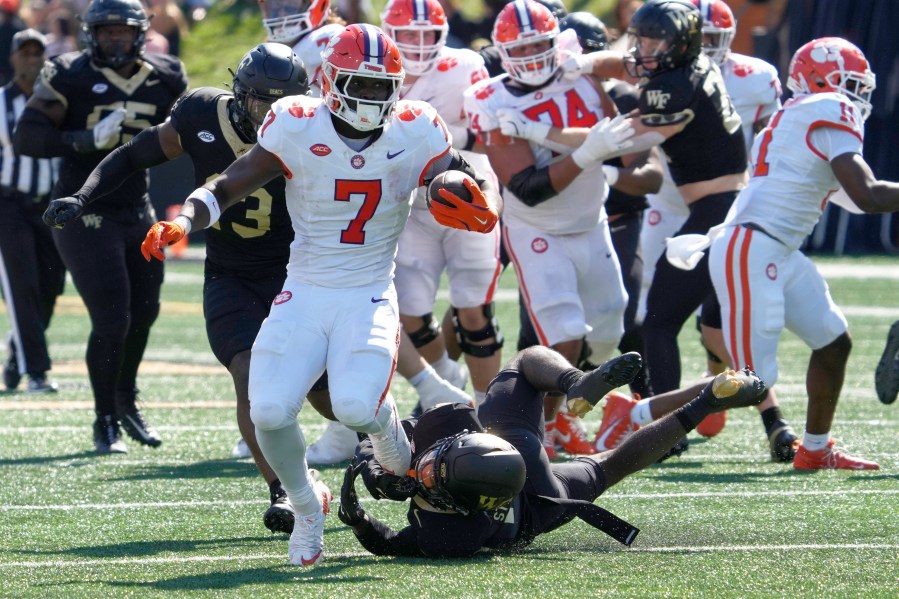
{"type": "Point", "coordinates": [678, 23]}
{"type": "Point", "coordinates": [115, 12]}
{"type": "Point", "coordinates": [556, 7]}
{"type": "Point", "coordinates": [266, 73]}
{"type": "Point", "coordinates": [469, 472]}
{"type": "Point", "coordinates": [591, 32]}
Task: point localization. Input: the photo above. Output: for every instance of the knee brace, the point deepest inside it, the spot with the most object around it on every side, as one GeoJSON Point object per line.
{"type": "Point", "coordinates": [427, 333]}
{"type": "Point", "coordinates": [464, 337]}
{"type": "Point", "coordinates": [269, 416]}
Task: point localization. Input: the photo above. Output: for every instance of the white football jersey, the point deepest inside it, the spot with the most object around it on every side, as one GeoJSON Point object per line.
{"type": "Point", "coordinates": [754, 89]}
{"type": "Point", "coordinates": [580, 206]}
{"type": "Point", "coordinates": [309, 49]}
{"type": "Point", "coordinates": [348, 207]}
{"type": "Point", "coordinates": [791, 177]}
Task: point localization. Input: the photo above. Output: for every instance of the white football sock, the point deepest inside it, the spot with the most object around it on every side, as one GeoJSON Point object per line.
{"type": "Point", "coordinates": [641, 415]}
{"type": "Point", "coordinates": [285, 451]}
{"type": "Point", "coordinates": [815, 442]}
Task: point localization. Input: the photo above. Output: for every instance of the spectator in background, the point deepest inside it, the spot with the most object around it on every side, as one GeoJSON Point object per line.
{"type": "Point", "coordinates": [169, 21]}
{"type": "Point", "coordinates": [624, 10]}
{"type": "Point", "coordinates": [10, 24]}
{"type": "Point", "coordinates": [31, 271]}
{"type": "Point", "coordinates": [60, 33]}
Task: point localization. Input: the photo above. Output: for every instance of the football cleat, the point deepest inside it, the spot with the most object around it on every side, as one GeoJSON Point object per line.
{"type": "Point", "coordinates": [616, 422]}
{"type": "Point", "coordinates": [570, 434]}
{"type": "Point", "coordinates": [337, 444]}
{"type": "Point", "coordinates": [306, 546]}
{"type": "Point", "coordinates": [712, 424]}
{"type": "Point", "coordinates": [734, 389]}
{"type": "Point", "coordinates": [138, 428]}
{"type": "Point", "coordinates": [452, 372]}
{"type": "Point", "coordinates": [39, 384]}
{"type": "Point", "coordinates": [435, 390]}
{"type": "Point", "coordinates": [886, 377]}
{"type": "Point", "coordinates": [596, 384]}
{"type": "Point", "coordinates": [11, 375]}
{"type": "Point", "coordinates": [549, 442]}
{"type": "Point", "coordinates": [107, 436]}
{"type": "Point", "coordinates": [830, 458]}
{"type": "Point", "coordinates": [783, 443]}
{"type": "Point", "coordinates": [241, 450]}
{"type": "Point", "coordinates": [678, 448]}
{"type": "Point", "coordinates": [279, 516]}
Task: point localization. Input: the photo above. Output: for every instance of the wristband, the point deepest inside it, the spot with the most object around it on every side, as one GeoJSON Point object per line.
{"type": "Point", "coordinates": [581, 157]}
{"type": "Point", "coordinates": [185, 223]}
{"type": "Point", "coordinates": [206, 197]}
{"type": "Point", "coordinates": [611, 173]}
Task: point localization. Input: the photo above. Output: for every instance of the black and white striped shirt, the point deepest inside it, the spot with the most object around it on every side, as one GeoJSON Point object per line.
{"type": "Point", "coordinates": [33, 177]}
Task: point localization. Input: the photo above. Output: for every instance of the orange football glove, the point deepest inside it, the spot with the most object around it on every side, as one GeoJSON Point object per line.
{"type": "Point", "coordinates": [476, 215]}
{"type": "Point", "coordinates": [160, 235]}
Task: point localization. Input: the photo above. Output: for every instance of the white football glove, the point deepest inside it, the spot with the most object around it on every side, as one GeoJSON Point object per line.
{"type": "Point", "coordinates": [576, 66]}
{"type": "Point", "coordinates": [514, 124]}
{"type": "Point", "coordinates": [108, 130]}
{"type": "Point", "coordinates": [605, 138]}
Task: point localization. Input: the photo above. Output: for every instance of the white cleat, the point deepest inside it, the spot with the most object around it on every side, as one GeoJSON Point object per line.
{"type": "Point", "coordinates": [241, 450]}
{"type": "Point", "coordinates": [337, 444]}
{"type": "Point", "coordinates": [453, 372]}
{"type": "Point", "coordinates": [306, 546]}
{"type": "Point", "coordinates": [435, 390]}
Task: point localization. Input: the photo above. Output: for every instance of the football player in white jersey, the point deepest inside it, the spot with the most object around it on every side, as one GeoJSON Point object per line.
{"type": "Point", "coordinates": [439, 75]}
{"type": "Point", "coordinates": [555, 228]}
{"type": "Point", "coordinates": [307, 26]}
{"type": "Point", "coordinates": [352, 160]}
{"type": "Point", "coordinates": [810, 148]}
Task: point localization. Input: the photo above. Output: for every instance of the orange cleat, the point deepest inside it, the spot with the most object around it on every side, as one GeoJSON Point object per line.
{"type": "Point", "coordinates": [616, 421]}
{"type": "Point", "coordinates": [830, 458]}
{"type": "Point", "coordinates": [549, 441]}
{"type": "Point", "coordinates": [712, 424]}
{"type": "Point", "coordinates": [570, 434]}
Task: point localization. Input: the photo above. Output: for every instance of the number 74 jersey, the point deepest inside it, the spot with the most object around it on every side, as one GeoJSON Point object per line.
{"type": "Point", "coordinates": [349, 207]}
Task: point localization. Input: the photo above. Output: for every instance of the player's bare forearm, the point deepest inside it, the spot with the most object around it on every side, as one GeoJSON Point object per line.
{"type": "Point", "coordinates": [858, 180]}
{"type": "Point", "coordinates": [641, 175]}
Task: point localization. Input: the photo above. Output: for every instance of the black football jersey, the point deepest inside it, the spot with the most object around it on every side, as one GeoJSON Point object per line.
{"type": "Point", "coordinates": [253, 237]}
{"type": "Point", "coordinates": [711, 145]}
{"type": "Point", "coordinates": [626, 98]}
{"type": "Point", "coordinates": [91, 93]}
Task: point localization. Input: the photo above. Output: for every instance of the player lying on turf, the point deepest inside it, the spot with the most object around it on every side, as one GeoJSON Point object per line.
{"type": "Point", "coordinates": [484, 481]}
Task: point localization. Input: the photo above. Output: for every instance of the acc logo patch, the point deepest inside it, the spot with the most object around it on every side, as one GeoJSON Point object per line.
{"type": "Point", "coordinates": [357, 161]}
{"type": "Point", "coordinates": [206, 136]}
{"type": "Point", "coordinates": [771, 271]}
{"type": "Point", "coordinates": [99, 88]}
{"type": "Point", "coordinates": [284, 296]}
{"type": "Point", "coordinates": [539, 245]}
{"type": "Point", "coordinates": [320, 150]}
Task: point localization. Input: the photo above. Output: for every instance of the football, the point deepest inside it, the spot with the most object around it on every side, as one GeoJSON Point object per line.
{"type": "Point", "coordinates": [451, 181]}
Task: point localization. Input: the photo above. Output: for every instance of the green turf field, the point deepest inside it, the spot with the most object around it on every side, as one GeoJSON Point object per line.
{"type": "Point", "coordinates": [185, 519]}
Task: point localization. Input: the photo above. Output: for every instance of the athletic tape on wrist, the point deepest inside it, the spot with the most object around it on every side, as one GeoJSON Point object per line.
{"type": "Point", "coordinates": [201, 194]}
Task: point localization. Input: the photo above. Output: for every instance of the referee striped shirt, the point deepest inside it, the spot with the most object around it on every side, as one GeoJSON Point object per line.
{"type": "Point", "coordinates": [33, 177]}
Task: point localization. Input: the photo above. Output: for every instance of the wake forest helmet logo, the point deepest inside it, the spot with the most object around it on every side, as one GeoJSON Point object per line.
{"type": "Point", "coordinates": [657, 98]}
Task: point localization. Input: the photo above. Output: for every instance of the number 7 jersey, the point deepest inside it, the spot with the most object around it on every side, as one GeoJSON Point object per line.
{"type": "Point", "coordinates": [349, 207]}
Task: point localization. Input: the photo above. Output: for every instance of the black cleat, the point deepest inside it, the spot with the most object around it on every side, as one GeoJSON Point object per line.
{"type": "Point", "coordinates": [596, 384]}
{"type": "Point", "coordinates": [886, 377]}
{"type": "Point", "coordinates": [279, 516]}
{"type": "Point", "coordinates": [107, 437]}
{"type": "Point", "coordinates": [783, 443]}
{"type": "Point", "coordinates": [679, 448]}
{"type": "Point", "coordinates": [137, 427]}
{"type": "Point", "coordinates": [11, 375]}
{"type": "Point", "coordinates": [39, 384]}
{"type": "Point", "coordinates": [734, 389]}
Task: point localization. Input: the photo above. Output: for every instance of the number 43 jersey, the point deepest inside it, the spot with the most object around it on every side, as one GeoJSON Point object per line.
{"type": "Point", "coordinates": [348, 207]}
{"type": "Point", "coordinates": [252, 238]}
{"type": "Point", "coordinates": [578, 207]}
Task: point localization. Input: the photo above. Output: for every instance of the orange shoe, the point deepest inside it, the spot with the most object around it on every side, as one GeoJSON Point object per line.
{"type": "Point", "coordinates": [616, 421]}
{"type": "Point", "coordinates": [549, 441]}
{"type": "Point", "coordinates": [830, 458]}
{"type": "Point", "coordinates": [712, 424]}
{"type": "Point", "coordinates": [570, 434]}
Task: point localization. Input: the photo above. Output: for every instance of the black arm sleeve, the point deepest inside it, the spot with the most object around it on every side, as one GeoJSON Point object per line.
{"type": "Point", "coordinates": [532, 185]}
{"type": "Point", "coordinates": [380, 539]}
{"type": "Point", "coordinates": [142, 152]}
{"type": "Point", "coordinates": [36, 135]}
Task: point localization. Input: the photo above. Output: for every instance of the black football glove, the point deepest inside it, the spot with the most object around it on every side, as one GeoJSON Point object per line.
{"type": "Point", "coordinates": [63, 210]}
{"type": "Point", "coordinates": [397, 488]}
{"type": "Point", "coordinates": [351, 512]}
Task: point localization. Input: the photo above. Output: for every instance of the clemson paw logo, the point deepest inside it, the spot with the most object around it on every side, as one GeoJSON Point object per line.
{"type": "Point", "coordinates": [284, 296]}
{"type": "Point", "coordinates": [824, 53]}
{"type": "Point", "coordinates": [539, 245]}
{"type": "Point", "coordinates": [446, 64]}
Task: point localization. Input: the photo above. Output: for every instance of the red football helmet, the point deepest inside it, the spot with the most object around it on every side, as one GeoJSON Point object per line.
{"type": "Point", "coordinates": [525, 22]}
{"type": "Point", "coordinates": [831, 64]}
{"type": "Point", "coordinates": [285, 21]}
{"type": "Point", "coordinates": [423, 18]}
{"type": "Point", "coordinates": [361, 52]}
{"type": "Point", "coordinates": [718, 28]}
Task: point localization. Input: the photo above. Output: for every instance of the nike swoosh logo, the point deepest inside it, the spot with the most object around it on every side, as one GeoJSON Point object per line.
{"type": "Point", "coordinates": [563, 439]}
{"type": "Point", "coordinates": [601, 441]}
{"type": "Point", "coordinates": [375, 300]}
{"type": "Point", "coordinates": [151, 83]}
{"type": "Point", "coordinates": [312, 560]}
{"type": "Point", "coordinates": [392, 156]}
{"type": "Point", "coordinates": [483, 222]}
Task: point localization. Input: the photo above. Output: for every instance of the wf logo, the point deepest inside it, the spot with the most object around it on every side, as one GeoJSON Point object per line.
{"type": "Point", "coordinates": [92, 221]}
